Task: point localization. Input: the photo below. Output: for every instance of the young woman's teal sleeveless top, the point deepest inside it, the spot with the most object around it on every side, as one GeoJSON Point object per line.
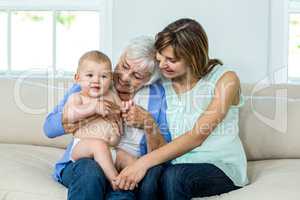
{"type": "Point", "coordinates": [223, 147]}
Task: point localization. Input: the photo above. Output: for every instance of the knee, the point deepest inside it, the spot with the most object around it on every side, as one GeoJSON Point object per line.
{"type": "Point", "coordinates": [88, 180]}
{"type": "Point", "coordinates": [169, 178]}
{"type": "Point", "coordinates": [173, 183]}
{"type": "Point", "coordinates": [150, 182]}
{"type": "Point", "coordinates": [88, 171]}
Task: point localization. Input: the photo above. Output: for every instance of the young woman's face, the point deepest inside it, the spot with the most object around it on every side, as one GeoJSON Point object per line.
{"type": "Point", "coordinates": [171, 67]}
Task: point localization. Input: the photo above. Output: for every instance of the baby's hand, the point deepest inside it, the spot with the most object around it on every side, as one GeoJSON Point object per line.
{"type": "Point", "coordinates": [102, 108]}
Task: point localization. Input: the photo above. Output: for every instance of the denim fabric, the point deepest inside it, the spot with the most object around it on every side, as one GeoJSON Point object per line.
{"type": "Point", "coordinates": [185, 181]}
{"type": "Point", "coordinates": [120, 195]}
{"type": "Point", "coordinates": [149, 188]}
{"type": "Point", "coordinates": [85, 180]}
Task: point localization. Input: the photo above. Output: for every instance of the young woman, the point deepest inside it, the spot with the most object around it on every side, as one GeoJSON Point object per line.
{"type": "Point", "coordinates": [203, 100]}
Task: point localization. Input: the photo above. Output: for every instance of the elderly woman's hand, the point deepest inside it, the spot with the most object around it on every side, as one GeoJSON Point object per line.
{"type": "Point", "coordinates": [136, 116]}
{"type": "Point", "coordinates": [130, 176]}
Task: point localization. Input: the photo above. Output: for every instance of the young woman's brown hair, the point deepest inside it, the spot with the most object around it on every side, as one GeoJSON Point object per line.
{"type": "Point", "coordinates": [190, 43]}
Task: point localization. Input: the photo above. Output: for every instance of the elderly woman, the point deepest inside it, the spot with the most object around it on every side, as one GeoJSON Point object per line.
{"type": "Point", "coordinates": [135, 80]}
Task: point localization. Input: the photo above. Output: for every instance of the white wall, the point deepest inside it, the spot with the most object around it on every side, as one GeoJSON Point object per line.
{"type": "Point", "coordinates": [237, 29]}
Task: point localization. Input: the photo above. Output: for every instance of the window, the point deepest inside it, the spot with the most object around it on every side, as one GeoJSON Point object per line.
{"type": "Point", "coordinates": [3, 41]}
{"type": "Point", "coordinates": [284, 41]}
{"type": "Point", "coordinates": [294, 40]}
{"type": "Point", "coordinates": [42, 36]}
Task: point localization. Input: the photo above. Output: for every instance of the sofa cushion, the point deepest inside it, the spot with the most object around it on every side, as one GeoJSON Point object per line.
{"type": "Point", "coordinates": [270, 180]}
{"type": "Point", "coordinates": [26, 173]}
{"type": "Point", "coordinates": [269, 121]}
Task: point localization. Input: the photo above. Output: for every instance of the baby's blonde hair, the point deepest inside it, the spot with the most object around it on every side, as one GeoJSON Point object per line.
{"type": "Point", "coordinates": [94, 55]}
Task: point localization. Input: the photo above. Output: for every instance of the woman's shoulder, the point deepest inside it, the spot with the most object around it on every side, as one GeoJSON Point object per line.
{"type": "Point", "coordinates": [74, 88]}
{"type": "Point", "coordinates": [217, 73]}
{"type": "Point", "coordinates": [227, 79]}
{"type": "Point", "coordinates": [166, 84]}
{"type": "Point", "coordinates": [154, 92]}
{"type": "Point", "coordinates": [157, 88]}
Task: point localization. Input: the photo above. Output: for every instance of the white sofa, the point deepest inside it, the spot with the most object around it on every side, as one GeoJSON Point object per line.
{"type": "Point", "coordinates": [268, 128]}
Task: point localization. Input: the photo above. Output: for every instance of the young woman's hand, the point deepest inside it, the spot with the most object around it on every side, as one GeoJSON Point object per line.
{"type": "Point", "coordinates": [130, 176]}
{"type": "Point", "coordinates": [123, 159]}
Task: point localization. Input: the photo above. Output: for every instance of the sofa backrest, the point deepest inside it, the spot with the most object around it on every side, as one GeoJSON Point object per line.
{"type": "Point", "coordinates": [24, 105]}
{"type": "Point", "coordinates": [268, 121]}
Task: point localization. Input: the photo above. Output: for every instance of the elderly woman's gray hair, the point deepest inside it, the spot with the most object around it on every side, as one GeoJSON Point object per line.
{"type": "Point", "coordinates": [142, 49]}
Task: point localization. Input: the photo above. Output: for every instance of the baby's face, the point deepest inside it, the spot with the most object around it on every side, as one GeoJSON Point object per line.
{"type": "Point", "coordinates": [94, 78]}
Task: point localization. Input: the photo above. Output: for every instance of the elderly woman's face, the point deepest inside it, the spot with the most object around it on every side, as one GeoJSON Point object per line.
{"type": "Point", "coordinates": [129, 77]}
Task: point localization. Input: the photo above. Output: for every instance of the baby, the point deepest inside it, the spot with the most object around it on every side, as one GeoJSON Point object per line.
{"type": "Point", "coordinates": [98, 138]}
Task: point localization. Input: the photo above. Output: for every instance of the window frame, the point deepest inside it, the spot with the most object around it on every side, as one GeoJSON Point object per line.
{"type": "Point", "coordinates": [278, 47]}
{"type": "Point", "coordinates": [103, 7]}
{"type": "Point", "coordinates": [292, 10]}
